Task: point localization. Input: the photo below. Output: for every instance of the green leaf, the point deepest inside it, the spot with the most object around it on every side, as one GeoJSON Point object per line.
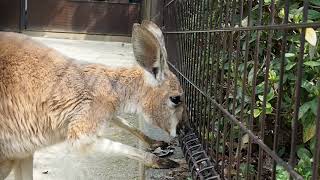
{"type": "Point", "coordinates": [312, 63]}
{"type": "Point", "coordinates": [309, 127]}
{"type": "Point", "coordinates": [250, 76]}
{"type": "Point", "coordinates": [281, 13]}
{"type": "Point", "coordinates": [297, 14]}
{"type": "Point", "coordinates": [308, 133]}
{"type": "Point", "coordinates": [268, 108]}
{"type": "Point", "coordinates": [270, 95]}
{"type": "Point", "coordinates": [315, 2]}
{"type": "Point", "coordinates": [303, 109]}
{"type": "Point", "coordinates": [290, 55]}
{"type": "Point", "coordinates": [314, 105]}
{"type": "Point", "coordinates": [267, 2]}
{"type": "Point", "coordinates": [256, 112]}
{"type": "Point", "coordinates": [313, 14]}
{"type": "Point", "coordinates": [308, 86]}
{"type": "Point", "coordinates": [244, 168]}
{"type": "Point", "coordinates": [259, 88]}
{"type": "Point", "coordinates": [312, 144]}
{"type": "Point", "coordinates": [282, 174]}
{"type": "Point", "coordinates": [268, 105]}
{"type": "Point", "coordinates": [304, 154]}
{"type": "Point", "coordinates": [290, 65]}
{"type": "Point", "coordinates": [272, 75]}
{"type": "Point", "coordinates": [260, 97]}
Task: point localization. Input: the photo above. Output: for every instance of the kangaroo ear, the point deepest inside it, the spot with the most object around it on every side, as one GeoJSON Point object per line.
{"type": "Point", "coordinates": [155, 30]}
{"type": "Point", "coordinates": [147, 52]}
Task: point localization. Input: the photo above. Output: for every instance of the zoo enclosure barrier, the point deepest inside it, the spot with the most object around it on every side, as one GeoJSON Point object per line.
{"type": "Point", "coordinates": [250, 71]}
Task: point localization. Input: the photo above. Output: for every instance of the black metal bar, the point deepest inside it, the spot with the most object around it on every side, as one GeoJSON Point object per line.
{"type": "Point", "coordinates": [244, 86]}
{"type": "Point", "coordinates": [206, 81]}
{"type": "Point", "coordinates": [254, 82]}
{"type": "Point", "coordinates": [22, 15]}
{"type": "Point", "coordinates": [197, 73]}
{"type": "Point", "coordinates": [218, 91]}
{"type": "Point", "coordinates": [253, 28]}
{"type": "Point", "coordinates": [238, 53]}
{"type": "Point", "coordinates": [316, 154]}
{"type": "Point", "coordinates": [298, 89]}
{"type": "Point", "coordinates": [279, 98]}
{"type": "Point", "coordinates": [215, 57]}
{"type": "Point", "coordinates": [266, 90]}
{"type": "Point", "coordinates": [255, 138]}
{"type": "Point", "coordinates": [231, 59]}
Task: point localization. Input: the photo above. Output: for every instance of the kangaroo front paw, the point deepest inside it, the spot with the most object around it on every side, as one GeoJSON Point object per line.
{"type": "Point", "coordinates": [157, 144]}
{"type": "Point", "coordinates": [163, 163]}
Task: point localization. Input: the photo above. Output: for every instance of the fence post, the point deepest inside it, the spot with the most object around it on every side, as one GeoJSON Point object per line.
{"type": "Point", "coordinates": [22, 15]}
{"type": "Point", "coordinates": [146, 9]}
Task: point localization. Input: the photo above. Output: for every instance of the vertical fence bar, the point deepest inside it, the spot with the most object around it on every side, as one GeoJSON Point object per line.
{"type": "Point", "coordinates": [229, 82]}
{"type": "Point", "coordinates": [186, 52]}
{"type": "Point", "coordinates": [218, 89]}
{"type": "Point", "coordinates": [192, 62]}
{"type": "Point", "coordinates": [209, 48]}
{"type": "Point", "coordinates": [316, 153]}
{"type": "Point", "coordinates": [207, 72]}
{"type": "Point", "coordinates": [224, 93]}
{"type": "Point", "coordinates": [298, 88]}
{"type": "Point", "coordinates": [254, 79]}
{"type": "Point", "coordinates": [238, 54]}
{"type": "Point", "coordinates": [202, 70]}
{"type": "Point", "coordinates": [244, 86]}
{"type": "Point", "coordinates": [212, 83]}
{"type": "Point", "coordinates": [266, 90]}
{"type": "Point", "coordinates": [197, 67]}
{"type": "Point", "coordinates": [190, 66]}
{"type": "Point", "coordinates": [280, 93]}
{"type": "Point", "coordinates": [209, 81]}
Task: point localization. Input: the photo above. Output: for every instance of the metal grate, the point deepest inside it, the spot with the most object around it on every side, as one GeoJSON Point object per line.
{"type": "Point", "coordinates": [199, 164]}
{"type": "Point", "coordinates": [242, 65]}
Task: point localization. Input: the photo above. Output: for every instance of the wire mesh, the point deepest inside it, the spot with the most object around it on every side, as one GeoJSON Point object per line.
{"type": "Point", "coordinates": [243, 67]}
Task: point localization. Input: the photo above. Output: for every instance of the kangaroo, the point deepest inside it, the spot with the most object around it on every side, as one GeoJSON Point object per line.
{"type": "Point", "coordinates": [47, 98]}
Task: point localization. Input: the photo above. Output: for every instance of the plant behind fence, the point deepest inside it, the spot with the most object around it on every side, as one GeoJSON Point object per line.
{"type": "Point", "coordinates": [251, 73]}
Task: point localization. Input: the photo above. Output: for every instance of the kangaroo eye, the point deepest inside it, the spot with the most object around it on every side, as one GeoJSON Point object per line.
{"type": "Point", "coordinates": [176, 99]}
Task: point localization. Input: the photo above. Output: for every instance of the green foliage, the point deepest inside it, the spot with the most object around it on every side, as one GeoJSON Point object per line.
{"type": "Point", "coordinates": [282, 174]}
{"type": "Point", "coordinates": [242, 75]}
{"type": "Point", "coordinates": [244, 168]}
{"type": "Point", "coordinates": [310, 88]}
{"type": "Point", "coordinates": [265, 108]}
{"type": "Point", "coordinates": [304, 166]}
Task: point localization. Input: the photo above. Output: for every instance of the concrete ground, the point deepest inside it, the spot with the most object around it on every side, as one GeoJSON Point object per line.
{"type": "Point", "coordinates": [55, 163]}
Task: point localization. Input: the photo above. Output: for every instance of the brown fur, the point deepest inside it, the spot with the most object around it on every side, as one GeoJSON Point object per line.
{"type": "Point", "coordinates": [46, 97]}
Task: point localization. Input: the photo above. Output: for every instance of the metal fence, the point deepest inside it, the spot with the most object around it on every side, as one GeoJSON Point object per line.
{"type": "Point", "coordinates": [247, 67]}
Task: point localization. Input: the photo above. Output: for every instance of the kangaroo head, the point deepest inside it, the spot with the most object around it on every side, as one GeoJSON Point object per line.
{"type": "Point", "coordinates": [162, 103]}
